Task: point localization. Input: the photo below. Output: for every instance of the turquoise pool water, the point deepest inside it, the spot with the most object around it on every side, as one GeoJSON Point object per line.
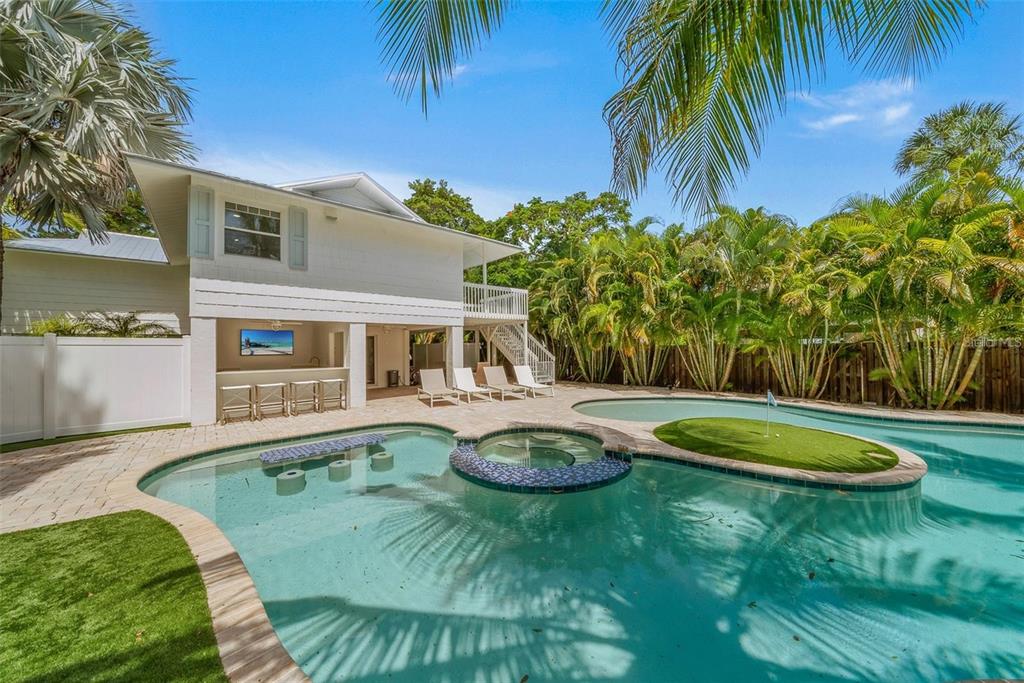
{"type": "Point", "coordinates": [540, 449]}
{"type": "Point", "coordinates": [672, 574]}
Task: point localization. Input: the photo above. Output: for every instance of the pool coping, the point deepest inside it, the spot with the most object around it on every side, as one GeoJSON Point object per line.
{"type": "Point", "coordinates": [467, 463]}
{"type": "Point", "coordinates": [249, 647]}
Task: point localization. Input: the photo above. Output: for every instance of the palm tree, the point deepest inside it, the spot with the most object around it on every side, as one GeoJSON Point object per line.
{"type": "Point", "coordinates": [124, 325]}
{"type": "Point", "coordinates": [729, 264]}
{"type": "Point", "coordinates": [933, 295]}
{"type": "Point", "coordinates": [702, 80]}
{"type": "Point", "coordinates": [801, 330]}
{"type": "Point", "coordinates": [79, 87]}
{"type": "Point", "coordinates": [982, 135]}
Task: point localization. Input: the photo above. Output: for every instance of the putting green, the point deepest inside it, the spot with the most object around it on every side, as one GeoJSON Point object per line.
{"type": "Point", "coordinates": [785, 446]}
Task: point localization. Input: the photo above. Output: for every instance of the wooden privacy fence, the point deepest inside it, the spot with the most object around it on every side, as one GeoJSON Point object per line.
{"type": "Point", "coordinates": [999, 382]}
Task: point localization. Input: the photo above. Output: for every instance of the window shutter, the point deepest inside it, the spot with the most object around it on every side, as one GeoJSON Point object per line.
{"type": "Point", "coordinates": [298, 238]}
{"type": "Point", "coordinates": [200, 222]}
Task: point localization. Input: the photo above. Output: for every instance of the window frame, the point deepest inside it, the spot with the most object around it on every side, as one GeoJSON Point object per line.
{"type": "Point", "coordinates": [247, 207]}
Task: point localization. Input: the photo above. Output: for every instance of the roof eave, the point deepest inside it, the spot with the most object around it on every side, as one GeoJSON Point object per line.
{"type": "Point", "coordinates": [138, 158]}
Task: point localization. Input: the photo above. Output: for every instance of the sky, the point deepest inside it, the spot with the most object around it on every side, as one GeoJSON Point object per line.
{"type": "Point", "coordinates": [294, 90]}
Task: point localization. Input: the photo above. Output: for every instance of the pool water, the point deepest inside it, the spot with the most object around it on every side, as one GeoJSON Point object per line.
{"type": "Point", "coordinates": [672, 574]}
{"type": "Point", "coordinates": [540, 449]}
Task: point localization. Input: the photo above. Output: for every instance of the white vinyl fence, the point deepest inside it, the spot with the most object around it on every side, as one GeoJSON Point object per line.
{"type": "Point", "coordinates": [55, 386]}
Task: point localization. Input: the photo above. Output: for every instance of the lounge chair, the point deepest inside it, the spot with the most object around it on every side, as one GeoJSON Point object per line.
{"type": "Point", "coordinates": [465, 384]}
{"type": "Point", "coordinates": [495, 378]}
{"type": "Point", "coordinates": [432, 385]}
{"type": "Point", "coordinates": [524, 379]}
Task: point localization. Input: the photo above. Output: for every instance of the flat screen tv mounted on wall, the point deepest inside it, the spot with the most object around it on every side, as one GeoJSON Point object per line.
{"type": "Point", "coordinates": [267, 343]}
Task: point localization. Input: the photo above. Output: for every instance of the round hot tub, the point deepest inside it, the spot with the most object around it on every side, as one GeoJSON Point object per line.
{"type": "Point", "coordinates": [542, 450]}
{"type": "Point", "coordinates": [539, 461]}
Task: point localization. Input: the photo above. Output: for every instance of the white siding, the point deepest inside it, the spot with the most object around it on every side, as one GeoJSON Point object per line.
{"type": "Point", "coordinates": [411, 274]}
{"type": "Point", "coordinates": [38, 286]}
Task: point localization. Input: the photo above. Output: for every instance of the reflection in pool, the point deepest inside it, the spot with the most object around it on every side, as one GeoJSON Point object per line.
{"type": "Point", "coordinates": [672, 574]}
{"type": "Point", "coordinates": [540, 449]}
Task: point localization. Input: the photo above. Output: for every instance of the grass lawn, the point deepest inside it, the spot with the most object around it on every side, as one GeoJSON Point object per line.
{"type": "Point", "coordinates": [35, 443]}
{"type": "Point", "coordinates": [112, 598]}
{"type": "Point", "coordinates": [786, 446]}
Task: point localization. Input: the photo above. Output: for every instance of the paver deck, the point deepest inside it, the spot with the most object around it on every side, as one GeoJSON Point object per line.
{"type": "Point", "coordinates": [83, 479]}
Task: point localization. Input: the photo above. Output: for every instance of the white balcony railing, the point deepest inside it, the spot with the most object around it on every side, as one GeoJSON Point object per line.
{"type": "Point", "coordinates": [498, 303]}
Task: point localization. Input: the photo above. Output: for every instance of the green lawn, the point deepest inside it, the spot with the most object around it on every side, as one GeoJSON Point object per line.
{"type": "Point", "coordinates": [786, 445]}
{"type": "Point", "coordinates": [112, 598]}
{"type": "Point", "coordinates": [35, 443]}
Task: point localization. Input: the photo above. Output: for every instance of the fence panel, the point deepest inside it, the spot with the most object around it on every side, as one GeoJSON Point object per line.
{"type": "Point", "coordinates": [998, 383]}
{"type": "Point", "coordinates": [57, 386]}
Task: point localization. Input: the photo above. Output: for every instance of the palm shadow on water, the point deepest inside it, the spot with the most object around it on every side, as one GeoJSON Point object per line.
{"type": "Point", "coordinates": [671, 574]}
{"type": "Point", "coordinates": [668, 575]}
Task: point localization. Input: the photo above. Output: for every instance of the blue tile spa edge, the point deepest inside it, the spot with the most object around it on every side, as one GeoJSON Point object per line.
{"type": "Point", "coordinates": [468, 464]}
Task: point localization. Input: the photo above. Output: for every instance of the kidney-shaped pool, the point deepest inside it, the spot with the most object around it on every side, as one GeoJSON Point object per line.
{"type": "Point", "coordinates": [414, 574]}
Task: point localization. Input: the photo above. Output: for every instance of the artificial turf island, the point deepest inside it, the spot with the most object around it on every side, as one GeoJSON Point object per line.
{"type": "Point", "coordinates": [786, 445]}
{"type": "Point", "coordinates": [112, 598]}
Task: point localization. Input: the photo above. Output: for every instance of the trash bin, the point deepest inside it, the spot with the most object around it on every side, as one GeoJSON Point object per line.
{"type": "Point", "coordinates": [392, 378]}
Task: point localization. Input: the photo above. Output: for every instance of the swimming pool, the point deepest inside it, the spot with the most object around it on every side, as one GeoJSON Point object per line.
{"type": "Point", "coordinates": [671, 574]}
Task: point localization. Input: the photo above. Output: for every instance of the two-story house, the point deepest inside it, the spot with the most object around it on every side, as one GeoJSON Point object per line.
{"type": "Point", "coordinates": [339, 263]}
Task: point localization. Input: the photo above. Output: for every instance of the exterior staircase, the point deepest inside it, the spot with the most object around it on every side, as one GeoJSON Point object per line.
{"type": "Point", "coordinates": [522, 348]}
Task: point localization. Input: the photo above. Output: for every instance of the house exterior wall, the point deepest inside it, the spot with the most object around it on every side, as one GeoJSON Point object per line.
{"type": "Point", "coordinates": [389, 353]}
{"type": "Point", "coordinates": [39, 286]}
{"type": "Point", "coordinates": [361, 267]}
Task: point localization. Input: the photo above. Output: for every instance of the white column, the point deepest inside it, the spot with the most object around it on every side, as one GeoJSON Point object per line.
{"type": "Point", "coordinates": [405, 356]}
{"type": "Point", "coordinates": [203, 370]}
{"type": "Point", "coordinates": [453, 351]}
{"type": "Point", "coordinates": [355, 359]}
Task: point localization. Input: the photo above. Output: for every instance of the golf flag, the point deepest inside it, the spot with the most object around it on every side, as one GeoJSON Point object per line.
{"type": "Point", "coordinates": [771, 399]}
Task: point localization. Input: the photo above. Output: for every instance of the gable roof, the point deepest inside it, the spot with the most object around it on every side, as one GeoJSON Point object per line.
{"type": "Point", "coordinates": [165, 188]}
{"type": "Point", "coordinates": [354, 187]}
{"type": "Point", "coordinates": [117, 246]}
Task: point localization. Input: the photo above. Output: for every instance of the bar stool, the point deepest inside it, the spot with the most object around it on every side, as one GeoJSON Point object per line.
{"type": "Point", "coordinates": [303, 393]}
{"type": "Point", "coordinates": [237, 399]}
{"type": "Point", "coordinates": [333, 391]}
{"type": "Point", "coordinates": [274, 395]}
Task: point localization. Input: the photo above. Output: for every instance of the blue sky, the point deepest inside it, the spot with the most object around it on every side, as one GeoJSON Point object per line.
{"type": "Point", "coordinates": [286, 91]}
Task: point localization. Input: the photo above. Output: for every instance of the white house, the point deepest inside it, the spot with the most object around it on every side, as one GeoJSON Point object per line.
{"type": "Point", "coordinates": [339, 262]}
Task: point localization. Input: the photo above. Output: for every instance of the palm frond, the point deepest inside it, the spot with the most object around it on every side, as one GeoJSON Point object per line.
{"type": "Point", "coordinates": [422, 41]}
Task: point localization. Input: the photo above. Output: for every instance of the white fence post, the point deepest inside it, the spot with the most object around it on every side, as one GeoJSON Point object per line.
{"type": "Point", "coordinates": [186, 377]}
{"type": "Point", "coordinates": [50, 396]}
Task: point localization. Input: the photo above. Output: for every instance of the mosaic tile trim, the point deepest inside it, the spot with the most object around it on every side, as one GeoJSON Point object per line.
{"type": "Point", "coordinates": [148, 477]}
{"type": "Point", "coordinates": [277, 456]}
{"type": "Point", "coordinates": [595, 474]}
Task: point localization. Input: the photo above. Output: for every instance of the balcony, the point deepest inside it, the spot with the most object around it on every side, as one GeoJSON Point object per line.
{"type": "Point", "coordinates": [487, 302]}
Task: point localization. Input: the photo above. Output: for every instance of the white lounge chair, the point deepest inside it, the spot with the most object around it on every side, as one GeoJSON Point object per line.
{"type": "Point", "coordinates": [432, 385]}
{"type": "Point", "coordinates": [524, 379]}
{"type": "Point", "coordinates": [496, 379]}
{"type": "Point", "coordinates": [465, 384]}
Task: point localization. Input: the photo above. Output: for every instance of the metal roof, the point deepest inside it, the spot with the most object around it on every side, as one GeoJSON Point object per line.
{"type": "Point", "coordinates": [117, 246]}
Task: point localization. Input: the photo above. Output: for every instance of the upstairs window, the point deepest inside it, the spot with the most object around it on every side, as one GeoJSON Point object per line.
{"type": "Point", "coordinates": [249, 231]}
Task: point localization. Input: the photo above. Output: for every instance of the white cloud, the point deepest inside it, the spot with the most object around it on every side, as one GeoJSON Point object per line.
{"type": "Point", "coordinates": [833, 121]}
{"type": "Point", "coordinates": [272, 168]}
{"type": "Point", "coordinates": [895, 113]}
{"type": "Point", "coordinates": [880, 106]}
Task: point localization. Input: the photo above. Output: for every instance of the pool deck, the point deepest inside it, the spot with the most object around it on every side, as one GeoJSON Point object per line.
{"type": "Point", "coordinates": [82, 479]}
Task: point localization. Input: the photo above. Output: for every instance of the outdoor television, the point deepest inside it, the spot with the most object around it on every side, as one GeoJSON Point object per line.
{"type": "Point", "coordinates": [267, 343]}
